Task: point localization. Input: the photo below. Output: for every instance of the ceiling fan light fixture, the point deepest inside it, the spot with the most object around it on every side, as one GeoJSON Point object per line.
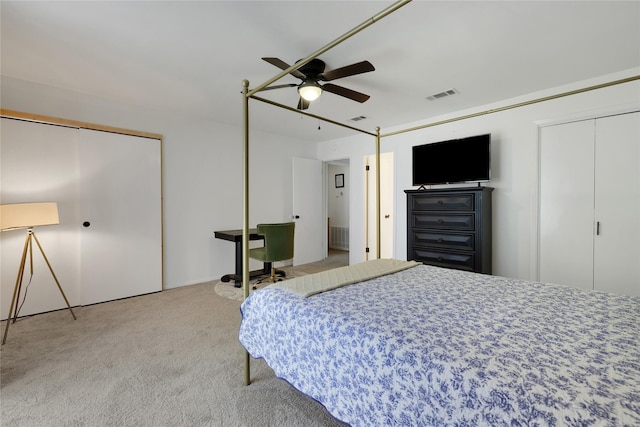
{"type": "Point", "coordinates": [310, 90]}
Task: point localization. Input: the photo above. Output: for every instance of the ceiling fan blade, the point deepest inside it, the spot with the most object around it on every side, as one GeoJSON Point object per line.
{"type": "Point", "coordinates": [279, 86]}
{"type": "Point", "coordinates": [349, 70]}
{"type": "Point", "coordinates": [283, 66]}
{"type": "Point", "coordinates": [347, 93]}
{"type": "Point", "coordinates": [303, 104]}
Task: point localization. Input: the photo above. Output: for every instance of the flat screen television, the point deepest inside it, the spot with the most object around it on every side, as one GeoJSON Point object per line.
{"type": "Point", "coordinates": [454, 161]}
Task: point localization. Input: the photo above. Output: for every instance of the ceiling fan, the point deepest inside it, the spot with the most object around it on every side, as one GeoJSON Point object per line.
{"type": "Point", "coordinates": [314, 72]}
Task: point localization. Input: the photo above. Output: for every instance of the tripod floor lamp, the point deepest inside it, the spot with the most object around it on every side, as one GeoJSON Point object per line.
{"type": "Point", "coordinates": [27, 216]}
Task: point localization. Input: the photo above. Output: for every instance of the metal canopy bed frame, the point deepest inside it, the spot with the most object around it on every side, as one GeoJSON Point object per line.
{"type": "Point", "coordinates": [251, 94]}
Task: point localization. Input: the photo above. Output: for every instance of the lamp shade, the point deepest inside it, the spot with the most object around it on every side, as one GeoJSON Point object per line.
{"type": "Point", "coordinates": [27, 215]}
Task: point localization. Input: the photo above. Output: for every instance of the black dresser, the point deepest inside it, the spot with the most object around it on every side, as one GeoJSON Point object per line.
{"type": "Point", "coordinates": [450, 227]}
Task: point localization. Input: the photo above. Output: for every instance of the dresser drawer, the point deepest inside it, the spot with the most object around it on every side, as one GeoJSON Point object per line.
{"type": "Point", "coordinates": [444, 202]}
{"type": "Point", "coordinates": [445, 259]}
{"type": "Point", "coordinates": [465, 242]}
{"type": "Point", "coordinates": [443, 221]}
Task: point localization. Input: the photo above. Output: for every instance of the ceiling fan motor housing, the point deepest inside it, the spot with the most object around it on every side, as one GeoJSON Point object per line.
{"type": "Point", "coordinates": [313, 68]}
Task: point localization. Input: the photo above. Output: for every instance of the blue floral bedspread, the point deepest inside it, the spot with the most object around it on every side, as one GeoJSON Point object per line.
{"type": "Point", "coordinates": [436, 347]}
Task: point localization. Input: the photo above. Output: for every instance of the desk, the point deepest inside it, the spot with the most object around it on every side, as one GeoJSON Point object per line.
{"type": "Point", "coordinates": [236, 237]}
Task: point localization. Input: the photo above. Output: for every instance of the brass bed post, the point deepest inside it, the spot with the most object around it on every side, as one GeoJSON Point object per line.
{"type": "Point", "coordinates": [378, 245]}
{"type": "Point", "coordinates": [245, 216]}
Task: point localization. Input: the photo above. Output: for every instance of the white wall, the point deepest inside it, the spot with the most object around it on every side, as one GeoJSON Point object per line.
{"type": "Point", "coordinates": [202, 174]}
{"type": "Point", "coordinates": [514, 165]}
{"type": "Point", "coordinates": [338, 197]}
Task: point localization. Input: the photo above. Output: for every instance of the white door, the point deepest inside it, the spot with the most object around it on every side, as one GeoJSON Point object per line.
{"type": "Point", "coordinates": [617, 207]}
{"type": "Point", "coordinates": [590, 204]}
{"type": "Point", "coordinates": [309, 245]}
{"type": "Point", "coordinates": [386, 206]}
{"type": "Point", "coordinates": [38, 163]}
{"type": "Point", "coordinates": [115, 190]}
{"type": "Point", "coordinates": [120, 216]}
{"type": "Point", "coordinates": [566, 204]}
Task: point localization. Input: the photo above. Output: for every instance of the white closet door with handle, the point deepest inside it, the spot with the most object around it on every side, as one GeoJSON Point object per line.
{"type": "Point", "coordinates": [120, 215]}
{"type": "Point", "coordinates": [566, 204]}
{"type": "Point", "coordinates": [38, 163]}
{"type": "Point", "coordinates": [617, 206]}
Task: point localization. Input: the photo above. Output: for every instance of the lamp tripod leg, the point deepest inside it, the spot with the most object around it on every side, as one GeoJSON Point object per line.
{"type": "Point", "coordinates": [18, 286]}
{"type": "Point", "coordinates": [54, 276]}
{"type": "Point", "coordinates": [23, 265]}
{"type": "Point", "coordinates": [28, 246]}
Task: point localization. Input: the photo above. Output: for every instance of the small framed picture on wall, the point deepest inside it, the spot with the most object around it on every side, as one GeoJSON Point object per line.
{"type": "Point", "coordinates": [340, 180]}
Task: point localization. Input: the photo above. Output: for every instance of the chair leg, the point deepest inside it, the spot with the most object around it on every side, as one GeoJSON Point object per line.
{"type": "Point", "coordinates": [263, 279]}
{"type": "Point", "coordinates": [272, 278]}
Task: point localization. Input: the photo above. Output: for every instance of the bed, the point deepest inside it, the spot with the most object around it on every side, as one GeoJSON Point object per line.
{"type": "Point", "coordinates": [428, 346]}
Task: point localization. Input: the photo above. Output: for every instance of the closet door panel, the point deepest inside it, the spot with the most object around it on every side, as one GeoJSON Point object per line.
{"type": "Point", "coordinates": [617, 204]}
{"type": "Point", "coordinates": [120, 206]}
{"type": "Point", "coordinates": [566, 204]}
{"type": "Point", "coordinates": [38, 163]}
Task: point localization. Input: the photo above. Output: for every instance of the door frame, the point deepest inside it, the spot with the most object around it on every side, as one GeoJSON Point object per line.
{"type": "Point", "coordinates": [74, 294]}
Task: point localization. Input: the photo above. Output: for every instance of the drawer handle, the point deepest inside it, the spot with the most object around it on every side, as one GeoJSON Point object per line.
{"type": "Point", "coordinates": [440, 240]}
{"type": "Point", "coordinates": [440, 221]}
{"type": "Point", "coordinates": [440, 202]}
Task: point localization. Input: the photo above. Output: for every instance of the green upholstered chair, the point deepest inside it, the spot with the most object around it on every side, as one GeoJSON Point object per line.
{"type": "Point", "coordinates": [278, 245]}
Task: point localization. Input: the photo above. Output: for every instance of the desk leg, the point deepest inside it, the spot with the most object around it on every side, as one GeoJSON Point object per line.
{"type": "Point", "coordinates": [238, 278]}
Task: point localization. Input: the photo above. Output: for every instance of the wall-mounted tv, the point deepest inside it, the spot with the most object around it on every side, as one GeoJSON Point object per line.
{"type": "Point", "coordinates": [454, 161]}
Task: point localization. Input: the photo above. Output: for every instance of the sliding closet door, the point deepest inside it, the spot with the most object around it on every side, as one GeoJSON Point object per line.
{"type": "Point", "coordinates": [566, 204]}
{"type": "Point", "coordinates": [120, 216]}
{"type": "Point", "coordinates": [617, 204]}
{"type": "Point", "coordinates": [38, 163]}
{"type": "Point", "coordinates": [590, 204]}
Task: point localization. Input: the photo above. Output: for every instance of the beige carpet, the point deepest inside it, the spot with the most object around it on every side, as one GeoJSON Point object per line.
{"type": "Point", "coordinates": [165, 359]}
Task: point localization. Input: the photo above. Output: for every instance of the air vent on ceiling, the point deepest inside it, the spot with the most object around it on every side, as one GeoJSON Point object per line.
{"type": "Point", "coordinates": [357, 119]}
{"type": "Point", "coordinates": [442, 94]}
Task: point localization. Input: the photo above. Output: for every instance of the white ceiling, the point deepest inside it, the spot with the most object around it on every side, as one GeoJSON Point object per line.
{"type": "Point", "coordinates": [191, 57]}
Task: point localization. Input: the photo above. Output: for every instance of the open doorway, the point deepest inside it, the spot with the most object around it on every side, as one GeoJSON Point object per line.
{"type": "Point", "coordinates": [338, 196]}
